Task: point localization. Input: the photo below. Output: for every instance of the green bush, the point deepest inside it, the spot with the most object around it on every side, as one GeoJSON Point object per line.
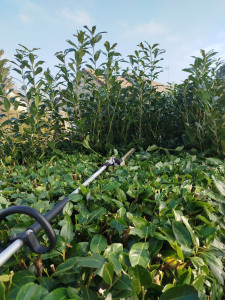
{"type": "Point", "coordinates": [75, 106]}
{"type": "Point", "coordinates": [153, 229]}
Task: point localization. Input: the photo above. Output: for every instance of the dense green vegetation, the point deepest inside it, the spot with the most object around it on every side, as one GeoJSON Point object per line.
{"type": "Point", "coordinates": [152, 229]}
{"type": "Point", "coordinates": [73, 107]}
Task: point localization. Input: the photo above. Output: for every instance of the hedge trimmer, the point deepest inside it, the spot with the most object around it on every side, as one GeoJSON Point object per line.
{"type": "Point", "coordinates": [28, 237]}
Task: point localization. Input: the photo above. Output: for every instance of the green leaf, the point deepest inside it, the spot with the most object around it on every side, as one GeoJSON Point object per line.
{"type": "Point", "coordinates": [179, 252]}
{"type": "Point", "coordinates": [67, 229]}
{"type": "Point", "coordinates": [107, 45]}
{"type": "Point", "coordinates": [152, 148]}
{"type": "Point", "coordinates": [84, 190]}
{"type": "Point", "coordinates": [78, 76]}
{"type": "Point", "coordinates": [199, 282]}
{"type": "Point", "coordinates": [206, 232]}
{"type": "Point", "coordinates": [215, 265]}
{"type": "Point", "coordinates": [97, 54]}
{"type": "Point", "coordinates": [96, 214]}
{"type": "Point", "coordinates": [149, 230]}
{"type": "Point", "coordinates": [88, 294]}
{"type": "Point", "coordinates": [140, 222]}
{"type": "Point", "coordinates": [98, 243]}
{"type": "Point", "coordinates": [75, 197]}
{"type": "Point", "coordinates": [138, 232]}
{"type": "Point", "coordinates": [185, 278]}
{"type": "Point", "coordinates": [214, 161]}
{"type": "Point", "coordinates": [123, 283]}
{"type": "Point", "coordinates": [97, 38]}
{"type": "Point", "coordinates": [182, 292]}
{"type": "Point", "coordinates": [17, 70]}
{"type": "Point", "coordinates": [33, 109]}
{"type": "Point", "coordinates": [38, 71]}
{"type": "Point", "coordinates": [23, 277]}
{"type": "Point", "coordinates": [94, 261]}
{"type": "Point", "coordinates": [119, 224]}
{"type": "Point", "coordinates": [181, 233]}
{"type": "Point", "coordinates": [31, 57]}
{"type": "Point", "coordinates": [63, 268]}
{"type": "Point", "coordinates": [57, 294]}
{"type": "Point", "coordinates": [5, 278]}
{"type": "Point", "coordinates": [139, 254]}
{"type": "Point", "coordinates": [140, 277]}
{"type": "Point", "coordinates": [154, 246]}
{"type": "Point", "coordinates": [180, 148]}
{"type": "Point", "coordinates": [6, 104]}
{"type": "Point", "coordinates": [31, 291]}
{"type": "Point", "coordinates": [86, 142]}
{"type": "Point", "coordinates": [220, 185]}
{"type": "Point", "coordinates": [50, 144]}
{"type": "Point", "coordinates": [111, 186]}
{"type": "Point", "coordinates": [48, 283]}
{"type": "Point", "coordinates": [121, 195]}
{"type": "Point", "coordinates": [79, 249]}
{"type": "Point", "coordinates": [215, 196]}
{"type": "Point", "coordinates": [68, 209]}
{"type": "Point", "coordinates": [2, 291]}
{"type": "Point", "coordinates": [197, 262]}
{"type": "Point", "coordinates": [28, 130]}
{"type": "Point", "coordinates": [116, 264]}
{"type": "Point", "coordinates": [112, 253]}
{"type": "Point", "coordinates": [121, 212]}
{"type": "Point", "coordinates": [37, 100]}
{"type": "Point", "coordinates": [106, 272]}
{"type": "Point", "coordinates": [195, 239]}
{"type": "Point", "coordinates": [115, 248]}
{"type": "Point", "coordinates": [40, 62]}
{"type": "Point", "coordinates": [73, 293]}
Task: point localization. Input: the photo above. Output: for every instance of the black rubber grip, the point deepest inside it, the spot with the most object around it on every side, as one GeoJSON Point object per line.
{"type": "Point", "coordinates": [28, 237]}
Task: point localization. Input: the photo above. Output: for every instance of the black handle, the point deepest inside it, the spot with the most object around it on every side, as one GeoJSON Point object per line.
{"type": "Point", "coordinates": [28, 237]}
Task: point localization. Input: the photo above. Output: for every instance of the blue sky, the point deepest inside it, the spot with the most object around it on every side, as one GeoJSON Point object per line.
{"type": "Point", "coordinates": [181, 27]}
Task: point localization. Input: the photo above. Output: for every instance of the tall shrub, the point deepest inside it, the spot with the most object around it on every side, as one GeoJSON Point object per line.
{"type": "Point", "coordinates": [204, 104]}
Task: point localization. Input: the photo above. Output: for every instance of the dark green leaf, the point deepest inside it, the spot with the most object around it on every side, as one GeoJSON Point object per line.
{"type": "Point", "coordinates": [58, 294]}
{"type": "Point", "coordinates": [183, 292]}
{"type": "Point", "coordinates": [31, 291]}
{"type": "Point", "coordinates": [215, 265]}
{"type": "Point", "coordinates": [73, 293]}
{"type": "Point", "coordinates": [106, 272]}
{"type": "Point", "coordinates": [37, 100]}
{"type": "Point", "coordinates": [140, 277]}
{"type": "Point", "coordinates": [88, 294]}
{"type": "Point", "coordinates": [181, 233]}
{"type": "Point", "coordinates": [124, 283]}
{"type": "Point", "coordinates": [192, 234]}
{"type": "Point", "coordinates": [6, 104]}
{"type": "Point", "coordinates": [66, 266]}
{"type": "Point", "coordinates": [2, 291]}
{"type": "Point", "coordinates": [94, 261]}
{"type": "Point", "coordinates": [96, 214]}
{"type": "Point", "coordinates": [23, 277]}
{"type": "Point", "coordinates": [119, 224]}
{"type": "Point", "coordinates": [98, 243]}
{"type": "Point", "coordinates": [111, 186]}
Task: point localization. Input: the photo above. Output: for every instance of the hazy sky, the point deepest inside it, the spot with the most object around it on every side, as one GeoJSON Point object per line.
{"type": "Point", "coordinates": [181, 27]}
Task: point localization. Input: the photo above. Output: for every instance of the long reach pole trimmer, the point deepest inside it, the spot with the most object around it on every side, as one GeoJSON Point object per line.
{"type": "Point", "coordinates": [28, 237]}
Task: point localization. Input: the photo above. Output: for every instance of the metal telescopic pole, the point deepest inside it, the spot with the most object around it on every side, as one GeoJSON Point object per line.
{"type": "Point", "coordinates": [18, 243]}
